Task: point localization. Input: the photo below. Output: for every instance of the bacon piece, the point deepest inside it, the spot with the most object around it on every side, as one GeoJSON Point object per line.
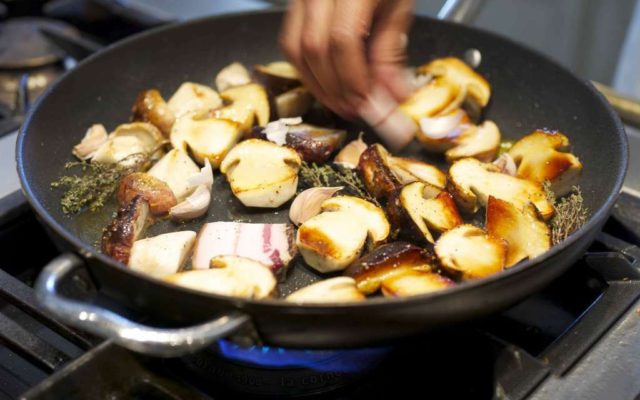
{"type": "Point", "coordinates": [128, 225]}
{"type": "Point", "coordinates": [270, 244]}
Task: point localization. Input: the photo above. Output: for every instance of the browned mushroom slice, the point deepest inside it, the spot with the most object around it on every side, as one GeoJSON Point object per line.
{"type": "Point", "coordinates": [349, 156]}
{"type": "Point", "coordinates": [253, 97]}
{"type": "Point", "coordinates": [390, 259]}
{"type": "Point", "coordinates": [408, 170]}
{"type": "Point", "coordinates": [470, 252]}
{"type": "Point", "coordinates": [479, 142]}
{"type": "Point", "coordinates": [472, 182]}
{"type": "Point", "coordinates": [293, 103]}
{"type": "Point", "coordinates": [376, 172]}
{"type": "Point", "coordinates": [443, 132]}
{"type": "Point", "coordinates": [412, 283]}
{"type": "Point", "coordinates": [193, 98]}
{"type": "Point", "coordinates": [234, 74]}
{"type": "Point", "coordinates": [540, 156]}
{"type": "Point", "coordinates": [334, 290]}
{"type": "Point", "coordinates": [278, 76]}
{"type": "Point", "coordinates": [153, 190]}
{"type": "Point", "coordinates": [527, 235]}
{"type": "Point", "coordinates": [430, 100]}
{"type": "Point", "coordinates": [128, 225]}
{"type": "Point", "coordinates": [150, 107]}
{"type": "Point", "coordinates": [313, 143]}
{"type": "Point", "coordinates": [421, 211]}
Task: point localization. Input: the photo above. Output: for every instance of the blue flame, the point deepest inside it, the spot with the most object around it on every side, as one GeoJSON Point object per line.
{"type": "Point", "coordinates": [346, 361]}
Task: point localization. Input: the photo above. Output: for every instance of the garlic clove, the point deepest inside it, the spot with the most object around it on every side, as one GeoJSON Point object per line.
{"type": "Point", "coordinates": [308, 203]}
{"type": "Point", "coordinates": [442, 126]}
{"type": "Point", "coordinates": [506, 164]}
{"type": "Point", "coordinates": [204, 177]}
{"type": "Point", "coordinates": [194, 206]}
{"type": "Point", "coordinates": [349, 156]}
{"type": "Point", "coordinates": [95, 137]}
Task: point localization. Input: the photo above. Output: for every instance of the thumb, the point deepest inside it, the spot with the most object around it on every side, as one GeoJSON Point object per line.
{"type": "Point", "coordinates": [388, 47]}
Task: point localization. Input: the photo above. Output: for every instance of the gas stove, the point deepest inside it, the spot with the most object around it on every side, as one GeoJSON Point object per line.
{"type": "Point", "coordinates": [578, 338]}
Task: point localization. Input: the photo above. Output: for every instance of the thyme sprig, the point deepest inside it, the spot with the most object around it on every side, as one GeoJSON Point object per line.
{"type": "Point", "coordinates": [314, 175]}
{"type": "Point", "coordinates": [95, 183]}
{"type": "Point", "coordinates": [570, 215]}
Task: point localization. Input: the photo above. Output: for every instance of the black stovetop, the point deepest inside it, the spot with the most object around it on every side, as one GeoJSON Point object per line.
{"type": "Point", "coordinates": [579, 338]}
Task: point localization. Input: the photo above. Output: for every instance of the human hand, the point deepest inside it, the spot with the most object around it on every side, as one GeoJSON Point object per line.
{"type": "Point", "coordinates": [350, 53]}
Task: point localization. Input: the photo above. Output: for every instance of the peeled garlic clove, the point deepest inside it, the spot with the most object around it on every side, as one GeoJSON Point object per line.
{"type": "Point", "coordinates": [308, 203]}
{"type": "Point", "coordinates": [506, 164]}
{"type": "Point", "coordinates": [349, 156]}
{"type": "Point", "coordinates": [443, 126]}
{"type": "Point", "coordinates": [194, 206]}
{"type": "Point", "coordinates": [95, 137]}
{"type": "Point", "coordinates": [204, 177]}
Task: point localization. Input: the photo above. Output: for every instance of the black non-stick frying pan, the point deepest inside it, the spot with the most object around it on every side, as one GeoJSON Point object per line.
{"type": "Point", "coordinates": [529, 92]}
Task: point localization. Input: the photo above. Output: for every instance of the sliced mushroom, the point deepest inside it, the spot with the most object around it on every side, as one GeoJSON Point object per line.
{"type": "Point", "coordinates": [252, 96]}
{"type": "Point", "coordinates": [237, 112]}
{"type": "Point", "coordinates": [93, 139]}
{"type": "Point", "coordinates": [333, 239]}
{"type": "Point", "coordinates": [193, 98]}
{"type": "Point", "coordinates": [175, 169]}
{"type": "Point", "coordinates": [376, 172]}
{"type": "Point", "coordinates": [150, 107]}
{"type": "Point", "coordinates": [294, 103]}
{"type": "Point", "coordinates": [163, 254]}
{"type": "Point", "coordinates": [229, 276]}
{"type": "Point", "coordinates": [261, 173]}
{"type": "Point", "coordinates": [481, 142]}
{"type": "Point", "coordinates": [470, 252]}
{"type": "Point", "coordinates": [129, 139]}
{"type": "Point", "coordinates": [455, 72]}
{"type": "Point", "coordinates": [370, 270]}
{"type": "Point", "coordinates": [420, 211]}
{"type": "Point", "coordinates": [334, 290]}
{"type": "Point", "coordinates": [313, 143]}
{"type": "Point", "coordinates": [540, 156]}
{"type": "Point", "coordinates": [209, 138]}
{"type": "Point", "coordinates": [527, 235]}
{"type": "Point", "coordinates": [234, 74]}
{"type": "Point", "coordinates": [371, 216]}
{"type": "Point", "coordinates": [413, 283]}
{"type": "Point", "coordinates": [278, 76]}
{"type": "Point", "coordinates": [472, 182]}
{"type": "Point", "coordinates": [349, 156]}
{"type": "Point", "coordinates": [153, 190]}
{"type": "Point", "coordinates": [128, 225]}
{"type": "Point", "coordinates": [408, 170]}
{"type": "Point", "coordinates": [430, 100]}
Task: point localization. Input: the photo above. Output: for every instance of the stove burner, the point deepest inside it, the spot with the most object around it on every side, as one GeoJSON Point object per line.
{"type": "Point", "coordinates": [23, 46]}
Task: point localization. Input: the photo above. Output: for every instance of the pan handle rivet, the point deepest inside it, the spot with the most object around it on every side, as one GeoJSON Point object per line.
{"type": "Point", "coordinates": [473, 57]}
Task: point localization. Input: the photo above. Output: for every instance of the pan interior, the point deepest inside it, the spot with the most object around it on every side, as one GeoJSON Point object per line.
{"type": "Point", "coordinates": [528, 92]}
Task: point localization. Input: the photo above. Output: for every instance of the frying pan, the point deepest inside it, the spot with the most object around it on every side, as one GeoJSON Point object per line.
{"type": "Point", "coordinates": [529, 92]}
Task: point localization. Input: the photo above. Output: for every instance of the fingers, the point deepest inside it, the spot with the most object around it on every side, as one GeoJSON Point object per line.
{"type": "Point", "coordinates": [388, 43]}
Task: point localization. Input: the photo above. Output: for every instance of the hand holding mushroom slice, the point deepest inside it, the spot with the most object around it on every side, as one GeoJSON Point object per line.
{"type": "Point", "coordinates": [408, 170]}
{"type": "Point", "coordinates": [540, 157]}
{"type": "Point", "coordinates": [261, 173]}
{"type": "Point", "coordinates": [480, 142]}
{"type": "Point", "coordinates": [420, 210]}
{"type": "Point", "coordinates": [278, 76]}
{"type": "Point", "coordinates": [128, 225]}
{"type": "Point", "coordinates": [175, 169]}
{"type": "Point", "coordinates": [234, 74]}
{"type": "Point", "coordinates": [193, 98]}
{"type": "Point", "coordinates": [455, 72]}
{"type": "Point", "coordinates": [386, 261]}
{"type": "Point", "coordinates": [153, 190]}
{"type": "Point", "coordinates": [253, 97]}
{"type": "Point", "coordinates": [333, 290]}
{"type": "Point", "coordinates": [128, 139]}
{"type": "Point", "coordinates": [413, 283]}
{"type": "Point", "coordinates": [229, 276]}
{"type": "Point", "coordinates": [526, 234]}
{"type": "Point", "coordinates": [470, 252]}
{"type": "Point", "coordinates": [270, 244]}
{"type": "Point", "coordinates": [333, 239]}
{"type": "Point", "coordinates": [209, 138]}
{"type": "Point", "coordinates": [197, 204]}
{"type": "Point", "coordinates": [163, 254]}
{"type": "Point", "coordinates": [150, 107]}
{"type": "Point", "coordinates": [95, 137]}
{"type": "Point", "coordinates": [472, 182]}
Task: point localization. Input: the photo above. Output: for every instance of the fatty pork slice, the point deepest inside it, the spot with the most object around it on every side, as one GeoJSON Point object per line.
{"type": "Point", "coordinates": [270, 244]}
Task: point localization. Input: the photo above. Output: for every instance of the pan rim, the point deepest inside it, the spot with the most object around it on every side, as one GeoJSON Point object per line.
{"type": "Point", "coordinates": [88, 252]}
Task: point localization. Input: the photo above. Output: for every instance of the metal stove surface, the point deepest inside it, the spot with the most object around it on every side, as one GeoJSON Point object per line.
{"type": "Point", "coordinates": [579, 339]}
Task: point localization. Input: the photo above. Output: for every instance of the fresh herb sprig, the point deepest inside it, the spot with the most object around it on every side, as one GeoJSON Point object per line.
{"type": "Point", "coordinates": [314, 175]}
{"type": "Point", "coordinates": [570, 215]}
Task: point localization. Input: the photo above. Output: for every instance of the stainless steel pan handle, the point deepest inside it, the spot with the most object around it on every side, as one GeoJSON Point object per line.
{"type": "Point", "coordinates": [132, 335]}
{"type": "Point", "coordinates": [460, 11]}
